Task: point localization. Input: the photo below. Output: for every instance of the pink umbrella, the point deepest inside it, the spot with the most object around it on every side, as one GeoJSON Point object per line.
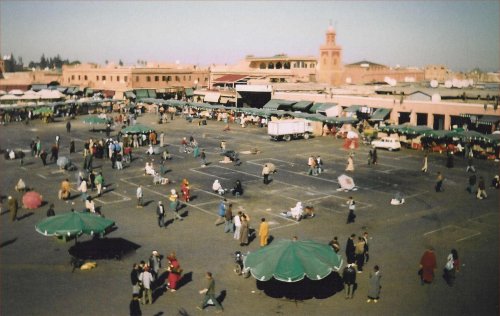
{"type": "Point", "coordinates": [32, 200]}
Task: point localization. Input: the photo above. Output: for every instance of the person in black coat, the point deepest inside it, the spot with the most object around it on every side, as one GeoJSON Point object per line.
{"type": "Point", "coordinates": [135, 306]}
{"type": "Point", "coordinates": [238, 189]}
{"type": "Point", "coordinates": [350, 248]}
{"type": "Point", "coordinates": [349, 278]}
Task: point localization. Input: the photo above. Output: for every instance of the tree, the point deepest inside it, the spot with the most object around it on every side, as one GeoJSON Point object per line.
{"type": "Point", "coordinates": [43, 62]}
{"type": "Point", "coordinates": [120, 63]}
{"type": "Point", "coordinates": [106, 61]}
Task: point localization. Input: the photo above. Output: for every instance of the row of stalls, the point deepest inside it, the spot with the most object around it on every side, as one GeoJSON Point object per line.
{"type": "Point", "coordinates": [456, 141]}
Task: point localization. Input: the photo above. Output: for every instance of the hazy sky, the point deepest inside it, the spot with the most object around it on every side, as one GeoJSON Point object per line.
{"type": "Point", "coordinates": [459, 34]}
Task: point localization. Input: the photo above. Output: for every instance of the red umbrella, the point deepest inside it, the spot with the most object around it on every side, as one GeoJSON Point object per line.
{"type": "Point", "coordinates": [32, 200]}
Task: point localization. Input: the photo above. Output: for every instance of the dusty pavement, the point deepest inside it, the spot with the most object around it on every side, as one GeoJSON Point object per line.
{"type": "Point", "coordinates": [37, 279]}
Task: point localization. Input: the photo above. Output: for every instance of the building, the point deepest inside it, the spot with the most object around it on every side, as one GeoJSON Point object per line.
{"type": "Point", "coordinates": [330, 60]}
{"type": "Point", "coordinates": [440, 73]}
{"type": "Point", "coordinates": [161, 77]}
{"type": "Point", "coordinates": [263, 70]}
{"type": "Point", "coordinates": [366, 72]}
{"type": "Point", "coordinates": [25, 79]}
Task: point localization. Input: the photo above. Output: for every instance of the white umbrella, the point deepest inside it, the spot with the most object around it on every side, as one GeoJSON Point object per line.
{"type": "Point", "coordinates": [16, 92]}
{"type": "Point", "coordinates": [352, 135]}
{"type": "Point", "coordinates": [2, 92]}
{"type": "Point", "coordinates": [346, 182]}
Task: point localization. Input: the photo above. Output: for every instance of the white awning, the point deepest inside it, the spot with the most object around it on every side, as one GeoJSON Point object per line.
{"type": "Point", "coordinates": [211, 97]}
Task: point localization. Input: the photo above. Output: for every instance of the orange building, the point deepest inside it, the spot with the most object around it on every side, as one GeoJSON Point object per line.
{"type": "Point", "coordinates": [330, 60]}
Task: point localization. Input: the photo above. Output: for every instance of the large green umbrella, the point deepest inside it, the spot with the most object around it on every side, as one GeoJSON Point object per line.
{"type": "Point", "coordinates": [96, 120]}
{"type": "Point", "coordinates": [292, 260]}
{"type": "Point", "coordinates": [138, 128]}
{"type": "Point", "coordinates": [440, 134]}
{"type": "Point", "coordinates": [472, 135]}
{"type": "Point", "coordinates": [73, 224]}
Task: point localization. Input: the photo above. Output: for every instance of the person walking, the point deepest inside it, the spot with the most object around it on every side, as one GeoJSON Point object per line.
{"type": "Point", "coordinates": [209, 292]}
{"type": "Point", "coordinates": [472, 183]}
{"type": "Point", "coordinates": [350, 163]}
{"type": "Point", "coordinates": [174, 204]}
{"type": "Point", "coordinates": [185, 190]}
{"type": "Point", "coordinates": [375, 156]}
{"type": "Point", "coordinates": [439, 182]}
{"type": "Point", "coordinates": [425, 166]}
{"type": "Point", "coordinates": [146, 279]}
{"type": "Point", "coordinates": [13, 207]}
{"type": "Point", "coordinates": [155, 264]}
{"type": "Point", "coordinates": [427, 266]}
{"type": "Point", "coordinates": [263, 232]}
{"type": "Point", "coordinates": [43, 156]}
{"type": "Point", "coordinates": [452, 266]}
{"type": "Point", "coordinates": [374, 285]}
{"type": "Point", "coordinates": [367, 255]}
{"type": "Point", "coordinates": [265, 174]}
{"type": "Point", "coordinates": [139, 196]}
{"type": "Point", "coordinates": [68, 127]}
{"type": "Point", "coordinates": [50, 211]}
{"type": "Point", "coordinates": [83, 188]}
{"type": "Point", "coordinates": [481, 189]}
{"type": "Point", "coordinates": [351, 217]}
{"type": "Point", "coordinates": [203, 158]}
{"type": "Point", "coordinates": [349, 279]}
{"type": "Point", "coordinates": [99, 182]}
{"type": "Point", "coordinates": [221, 212]}
{"type": "Point", "coordinates": [160, 212]}
{"type": "Point", "coordinates": [470, 164]}
{"type": "Point", "coordinates": [71, 147]}
{"type": "Point", "coordinates": [237, 226]}
{"type": "Point", "coordinates": [134, 279]}
{"type": "Point", "coordinates": [228, 216]}
{"type": "Point", "coordinates": [370, 157]}
{"type": "Point", "coordinates": [135, 306]}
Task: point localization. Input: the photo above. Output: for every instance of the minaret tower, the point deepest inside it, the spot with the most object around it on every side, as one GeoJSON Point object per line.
{"type": "Point", "coordinates": [330, 60]}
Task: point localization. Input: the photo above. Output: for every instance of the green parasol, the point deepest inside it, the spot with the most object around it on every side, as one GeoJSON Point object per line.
{"type": "Point", "coordinates": [73, 224]}
{"type": "Point", "coordinates": [43, 110]}
{"type": "Point", "coordinates": [292, 260]}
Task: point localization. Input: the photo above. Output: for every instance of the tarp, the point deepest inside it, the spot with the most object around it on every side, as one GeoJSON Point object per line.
{"type": "Point", "coordinates": [380, 114]}
{"type": "Point", "coordinates": [211, 97]}
{"type": "Point", "coordinates": [317, 107]}
{"type": "Point", "coordinates": [135, 129]}
{"type": "Point", "coordinates": [302, 106]}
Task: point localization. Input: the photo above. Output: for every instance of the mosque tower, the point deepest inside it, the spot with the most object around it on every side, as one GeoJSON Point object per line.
{"type": "Point", "coordinates": [330, 60]}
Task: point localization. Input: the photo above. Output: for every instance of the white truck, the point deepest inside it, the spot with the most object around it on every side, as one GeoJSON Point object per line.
{"type": "Point", "coordinates": [288, 129]}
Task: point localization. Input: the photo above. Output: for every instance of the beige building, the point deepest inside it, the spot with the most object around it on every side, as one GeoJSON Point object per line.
{"type": "Point", "coordinates": [121, 79]}
{"type": "Point", "coordinates": [330, 60]}
{"type": "Point", "coordinates": [365, 72]}
{"type": "Point", "coordinates": [440, 73]}
{"type": "Point", "coordinates": [23, 80]}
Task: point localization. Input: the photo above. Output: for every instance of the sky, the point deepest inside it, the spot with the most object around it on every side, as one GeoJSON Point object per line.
{"type": "Point", "coordinates": [459, 34]}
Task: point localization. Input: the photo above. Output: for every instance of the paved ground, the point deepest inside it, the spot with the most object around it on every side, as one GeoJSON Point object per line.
{"type": "Point", "coordinates": [37, 279]}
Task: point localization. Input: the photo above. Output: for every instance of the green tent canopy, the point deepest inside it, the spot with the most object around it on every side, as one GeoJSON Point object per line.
{"type": "Point", "coordinates": [292, 260]}
{"type": "Point", "coordinates": [439, 134]}
{"type": "Point", "coordinates": [95, 120]}
{"type": "Point", "coordinates": [43, 110]}
{"type": "Point", "coordinates": [135, 129]}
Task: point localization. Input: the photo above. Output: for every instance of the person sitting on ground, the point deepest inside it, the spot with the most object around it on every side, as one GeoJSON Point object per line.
{"type": "Point", "coordinates": [309, 211]}
{"type": "Point", "coordinates": [89, 205]}
{"type": "Point", "coordinates": [495, 183]}
{"type": "Point", "coordinates": [12, 155]}
{"type": "Point", "coordinates": [158, 179]}
{"type": "Point", "coordinates": [295, 212]}
{"type": "Point", "coordinates": [150, 150]}
{"type": "Point", "coordinates": [64, 192]}
{"type": "Point", "coordinates": [238, 188]}
{"type": "Point", "coordinates": [149, 169]}
{"type": "Point", "coordinates": [217, 188]}
{"type": "Point", "coordinates": [20, 186]}
{"type": "Point", "coordinates": [398, 199]}
{"type": "Point", "coordinates": [166, 155]}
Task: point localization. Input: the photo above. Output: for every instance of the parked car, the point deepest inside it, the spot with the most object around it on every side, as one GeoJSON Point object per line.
{"type": "Point", "coordinates": [387, 143]}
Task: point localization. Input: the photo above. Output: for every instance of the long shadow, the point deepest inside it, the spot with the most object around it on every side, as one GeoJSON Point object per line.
{"type": "Point", "coordinates": [185, 279]}
{"type": "Point", "coordinates": [25, 216]}
{"type": "Point", "coordinates": [105, 248]}
{"type": "Point", "coordinates": [222, 296]}
{"type": "Point", "coordinates": [184, 214]}
{"type": "Point", "coordinates": [8, 242]}
{"type": "Point", "coordinates": [148, 202]}
{"type": "Point", "coordinates": [304, 289]}
{"type": "Point", "coordinates": [5, 212]}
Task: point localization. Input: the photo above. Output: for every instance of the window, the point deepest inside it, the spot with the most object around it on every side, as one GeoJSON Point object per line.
{"type": "Point", "coordinates": [96, 78]}
{"type": "Point", "coordinates": [294, 65]}
{"type": "Point", "coordinates": [125, 78]}
{"type": "Point", "coordinates": [78, 77]}
{"type": "Point", "coordinates": [163, 78]}
{"type": "Point", "coordinates": [279, 65]}
{"type": "Point", "coordinates": [286, 65]}
{"type": "Point", "coordinates": [169, 78]}
{"type": "Point", "coordinates": [136, 78]}
{"type": "Point", "coordinates": [148, 78]}
{"type": "Point", "coordinates": [177, 78]}
{"type": "Point", "coordinates": [157, 78]}
{"type": "Point", "coordinates": [206, 79]}
{"type": "Point", "coordinates": [85, 77]}
{"type": "Point", "coordinates": [189, 78]}
{"type": "Point", "coordinates": [72, 77]}
{"type": "Point", "coordinates": [183, 78]}
{"type": "Point", "coordinates": [270, 66]}
{"type": "Point", "coordinates": [262, 66]}
{"type": "Point", "coordinates": [311, 65]}
{"type": "Point", "coordinates": [118, 78]}
{"type": "Point", "coordinates": [103, 78]}
{"type": "Point", "coordinates": [110, 78]}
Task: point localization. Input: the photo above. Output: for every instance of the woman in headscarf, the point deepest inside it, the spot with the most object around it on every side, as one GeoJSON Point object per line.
{"type": "Point", "coordinates": [244, 230]}
{"type": "Point", "coordinates": [217, 187]}
{"type": "Point", "coordinates": [238, 189]}
{"type": "Point", "coordinates": [175, 272]}
{"type": "Point", "coordinates": [185, 189]}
